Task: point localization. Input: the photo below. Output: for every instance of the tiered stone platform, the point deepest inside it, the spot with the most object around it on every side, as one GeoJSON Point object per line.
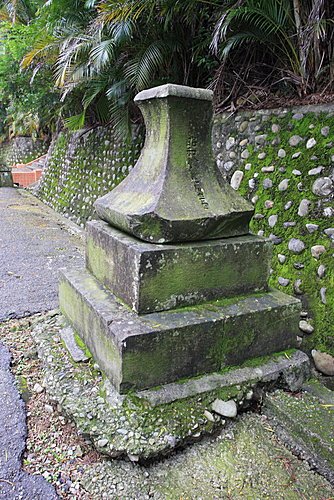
{"type": "Point", "coordinates": [175, 286]}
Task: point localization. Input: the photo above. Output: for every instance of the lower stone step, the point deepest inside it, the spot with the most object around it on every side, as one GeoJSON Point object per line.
{"type": "Point", "coordinates": [306, 424]}
{"type": "Point", "coordinates": [140, 352]}
{"type": "Point", "coordinates": [148, 424]}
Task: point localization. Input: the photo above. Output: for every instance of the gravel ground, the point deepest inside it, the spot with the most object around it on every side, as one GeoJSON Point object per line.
{"type": "Point", "coordinates": [244, 461]}
{"type": "Point", "coordinates": [54, 449]}
{"type": "Point", "coordinates": [34, 243]}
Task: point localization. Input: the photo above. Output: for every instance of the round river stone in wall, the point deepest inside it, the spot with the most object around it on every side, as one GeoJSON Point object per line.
{"type": "Point", "coordinates": [322, 186]}
{"type": "Point", "coordinates": [296, 246]}
{"type": "Point", "coordinates": [303, 208]}
{"type": "Point", "coordinates": [315, 171]}
{"type": "Point", "coordinates": [312, 228]}
{"type": "Point", "coordinates": [281, 258]}
{"type": "Point", "coordinates": [283, 281]}
{"type": "Point", "coordinates": [236, 179]}
{"type": "Point", "coordinates": [295, 140]}
{"type": "Point", "coordinates": [283, 186]}
{"type": "Point", "coordinates": [311, 143]}
{"type": "Point", "coordinates": [321, 271]}
{"type": "Point", "coordinates": [317, 251]}
{"type": "Point", "coordinates": [267, 183]}
{"type": "Point", "coordinates": [272, 220]}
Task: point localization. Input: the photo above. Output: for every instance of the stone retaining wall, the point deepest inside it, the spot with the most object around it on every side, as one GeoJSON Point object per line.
{"type": "Point", "coordinates": [83, 166]}
{"type": "Point", "coordinates": [283, 161]}
{"type": "Point", "coordinates": [22, 150]}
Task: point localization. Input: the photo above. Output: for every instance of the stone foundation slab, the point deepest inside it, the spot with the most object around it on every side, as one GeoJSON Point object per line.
{"type": "Point", "coordinates": [140, 352]}
{"type": "Point", "coordinates": [153, 423]}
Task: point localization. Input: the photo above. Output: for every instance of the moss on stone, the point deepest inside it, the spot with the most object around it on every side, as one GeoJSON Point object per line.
{"type": "Point", "coordinates": [308, 422]}
{"type": "Point", "coordinates": [84, 166]}
{"type": "Point", "coordinates": [322, 315]}
{"type": "Point", "coordinates": [80, 343]}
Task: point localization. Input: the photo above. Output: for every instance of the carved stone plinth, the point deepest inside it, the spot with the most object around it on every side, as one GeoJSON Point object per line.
{"type": "Point", "coordinates": [150, 277]}
{"type": "Point", "coordinates": [148, 350]}
{"type": "Point", "coordinates": [175, 191]}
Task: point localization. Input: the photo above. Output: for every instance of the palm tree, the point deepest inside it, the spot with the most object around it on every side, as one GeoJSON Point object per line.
{"type": "Point", "coordinates": [21, 11]}
{"type": "Point", "coordinates": [109, 50]}
{"type": "Point", "coordinates": [296, 34]}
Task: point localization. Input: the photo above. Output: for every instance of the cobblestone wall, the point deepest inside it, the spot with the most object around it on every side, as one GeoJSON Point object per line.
{"type": "Point", "coordinates": [22, 150]}
{"type": "Point", "coordinates": [283, 161]}
{"type": "Point", "coordinates": [81, 167]}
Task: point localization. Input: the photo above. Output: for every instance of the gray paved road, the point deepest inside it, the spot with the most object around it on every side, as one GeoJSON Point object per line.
{"type": "Point", "coordinates": [34, 243]}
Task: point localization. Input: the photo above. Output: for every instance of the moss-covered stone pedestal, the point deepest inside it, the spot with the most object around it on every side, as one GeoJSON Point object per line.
{"type": "Point", "coordinates": [152, 313]}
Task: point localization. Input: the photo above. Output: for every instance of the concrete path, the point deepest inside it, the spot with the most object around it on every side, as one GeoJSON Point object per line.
{"type": "Point", "coordinates": [14, 483]}
{"type": "Point", "coordinates": [34, 243]}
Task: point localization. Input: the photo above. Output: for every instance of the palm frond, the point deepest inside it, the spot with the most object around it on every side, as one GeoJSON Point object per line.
{"type": "Point", "coordinates": [76, 122]}
{"type": "Point", "coordinates": [102, 54]}
{"type": "Point", "coordinates": [142, 70]}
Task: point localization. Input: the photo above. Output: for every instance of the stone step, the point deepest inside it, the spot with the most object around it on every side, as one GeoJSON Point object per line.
{"type": "Point", "coordinates": [320, 391]}
{"type": "Point", "coordinates": [139, 352]}
{"type": "Point", "coordinates": [150, 277]}
{"type": "Point", "coordinates": [306, 423]}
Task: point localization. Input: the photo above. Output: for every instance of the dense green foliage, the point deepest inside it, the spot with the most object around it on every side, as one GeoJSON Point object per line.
{"type": "Point", "coordinates": [107, 53]}
{"type": "Point", "coordinates": [293, 39]}
{"type": "Point", "coordinates": [102, 52]}
{"type": "Point", "coordinates": [28, 101]}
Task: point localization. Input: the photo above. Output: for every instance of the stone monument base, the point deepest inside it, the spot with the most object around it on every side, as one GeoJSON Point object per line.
{"type": "Point", "coordinates": [151, 423]}
{"type": "Point", "coordinates": [143, 351]}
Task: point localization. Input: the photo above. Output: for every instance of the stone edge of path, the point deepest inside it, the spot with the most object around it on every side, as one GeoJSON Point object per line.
{"type": "Point", "coordinates": [67, 224]}
{"type": "Point", "coordinates": [14, 482]}
{"type": "Point", "coordinates": [295, 432]}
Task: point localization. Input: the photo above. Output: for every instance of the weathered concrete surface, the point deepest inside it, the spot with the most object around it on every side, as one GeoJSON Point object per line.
{"type": "Point", "coordinates": [34, 243]}
{"type": "Point", "coordinates": [307, 425]}
{"type": "Point", "coordinates": [139, 352]}
{"type": "Point", "coordinates": [150, 277]}
{"type": "Point", "coordinates": [15, 483]}
{"type": "Point", "coordinates": [244, 461]}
